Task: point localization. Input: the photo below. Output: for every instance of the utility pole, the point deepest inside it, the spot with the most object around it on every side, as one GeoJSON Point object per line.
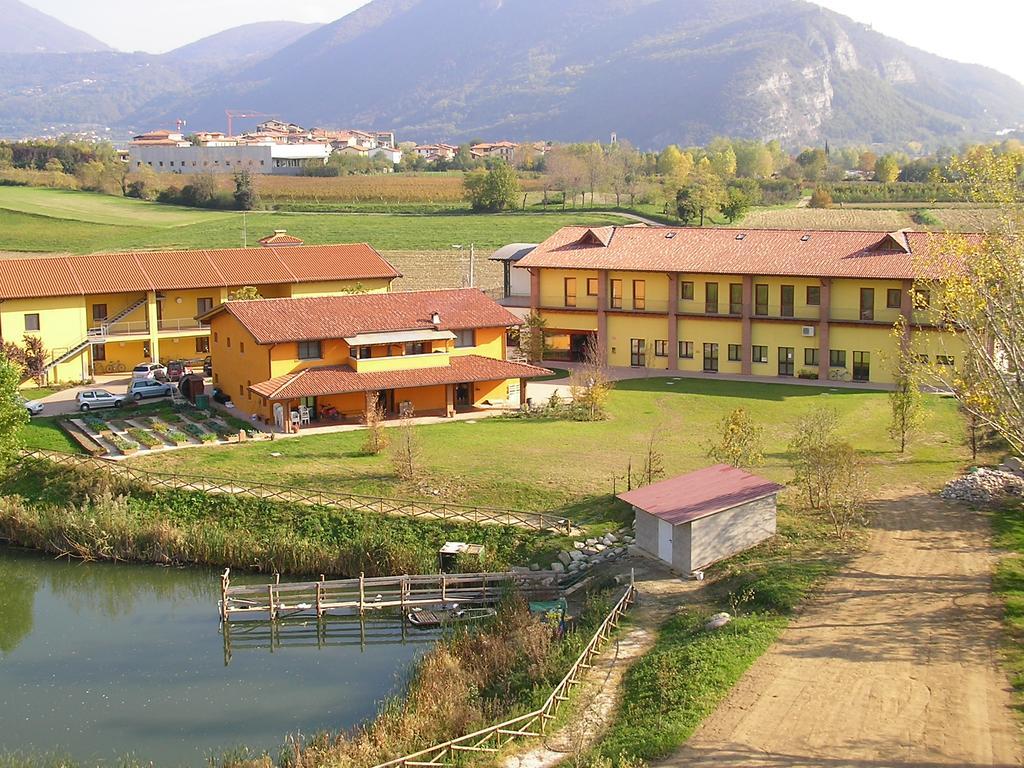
{"type": "Point", "coordinates": [245, 232]}
{"type": "Point", "coordinates": [472, 262]}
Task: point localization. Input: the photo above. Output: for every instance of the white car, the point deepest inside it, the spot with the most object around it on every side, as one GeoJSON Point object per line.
{"type": "Point", "coordinates": [34, 407]}
{"type": "Point", "coordinates": [149, 371]}
{"type": "Point", "coordinates": [97, 398]}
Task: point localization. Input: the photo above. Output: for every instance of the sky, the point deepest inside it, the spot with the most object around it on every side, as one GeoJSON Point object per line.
{"type": "Point", "coordinates": [988, 33]}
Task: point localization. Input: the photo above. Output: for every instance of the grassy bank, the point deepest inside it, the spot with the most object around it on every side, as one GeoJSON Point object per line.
{"type": "Point", "coordinates": [86, 514]}
{"type": "Point", "coordinates": [1008, 526]}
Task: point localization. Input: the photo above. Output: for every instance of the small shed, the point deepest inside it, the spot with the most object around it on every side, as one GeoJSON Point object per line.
{"type": "Point", "coordinates": [697, 519]}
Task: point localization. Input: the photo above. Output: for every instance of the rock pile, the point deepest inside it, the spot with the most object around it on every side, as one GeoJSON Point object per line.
{"type": "Point", "coordinates": [587, 553]}
{"type": "Point", "coordinates": [984, 486]}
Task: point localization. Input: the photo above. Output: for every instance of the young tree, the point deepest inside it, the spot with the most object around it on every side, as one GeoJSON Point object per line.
{"type": "Point", "coordinates": [201, 191]}
{"type": "Point", "coordinates": [706, 191]}
{"type": "Point", "coordinates": [736, 204]}
{"type": "Point", "coordinates": [905, 400]}
{"type": "Point", "coordinates": [376, 439]}
{"type": "Point", "coordinates": [406, 454]}
{"type": "Point", "coordinates": [35, 358]}
{"type": "Point", "coordinates": [740, 442]}
{"type": "Point", "coordinates": [532, 341]}
{"type": "Point", "coordinates": [13, 415]}
{"type": "Point", "coordinates": [590, 384]}
{"type": "Point", "coordinates": [246, 293]}
{"type": "Point", "coordinates": [886, 169]}
{"type": "Point", "coordinates": [595, 164]}
{"type": "Point", "coordinates": [654, 463]}
{"type": "Point", "coordinates": [493, 190]}
{"type": "Point", "coordinates": [567, 173]}
{"type": "Point", "coordinates": [820, 198]}
{"type": "Point", "coordinates": [246, 196]}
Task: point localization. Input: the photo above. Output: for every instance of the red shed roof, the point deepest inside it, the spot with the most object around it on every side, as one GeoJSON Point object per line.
{"type": "Point", "coordinates": [699, 494]}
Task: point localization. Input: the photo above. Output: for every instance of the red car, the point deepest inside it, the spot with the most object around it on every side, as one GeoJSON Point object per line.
{"type": "Point", "coordinates": [178, 368]}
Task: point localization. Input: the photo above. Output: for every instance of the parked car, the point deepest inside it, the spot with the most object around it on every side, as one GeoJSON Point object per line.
{"type": "Point", "coordinates": [178, 368]}
{"type": "Point", "coordinates": [208, 367]}
{"type": "Point", "coordinates": [88, 399]}
{"type": "Point", "coordinates": [34, 407]}
{"type": "Point", "coordinates": [141, 388]}
{"type": "Point", "coordinates": [149, 371]}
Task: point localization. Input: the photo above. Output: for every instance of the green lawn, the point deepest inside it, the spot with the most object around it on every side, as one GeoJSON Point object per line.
{"type": "Point", "coordinates": [47, 220]}
{"type": "Point", "coordinates": [1008, 525]}
{"type": "Point", "coordinates": [574, 467]}
{"type": "Point", "coordinates": [43, 433]}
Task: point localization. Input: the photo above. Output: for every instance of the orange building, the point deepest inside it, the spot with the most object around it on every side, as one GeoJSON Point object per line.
{"type": "Point", "coordinates": [422, 352]}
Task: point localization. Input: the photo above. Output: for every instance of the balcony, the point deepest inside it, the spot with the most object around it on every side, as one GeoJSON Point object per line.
{"type": "Point", "coordinates": [125, 328]}
{"type": "Point", "coordinates": [182, 325]}
{"type": "Point", "coordinates": [785, 312]}
{"type": "Point", "coordinates": [401, 362]}
{"type": "Point", "coordinates": [628, 304]}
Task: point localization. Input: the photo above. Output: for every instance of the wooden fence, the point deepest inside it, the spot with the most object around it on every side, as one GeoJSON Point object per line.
{"type": "Point", "coordinates": [350, 502]}
{"type": "Point", "coordinates": [290, 599]}
{"type": "Point", "coordinates": [530, 725]}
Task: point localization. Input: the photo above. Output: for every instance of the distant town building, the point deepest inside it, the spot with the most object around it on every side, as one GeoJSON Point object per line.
{"type": "Point", "coordinates": [160, 139]}
{"type": "Point", "coordinates": [505, 150]}
{"type": "Point", "coordinates": [434, 152]}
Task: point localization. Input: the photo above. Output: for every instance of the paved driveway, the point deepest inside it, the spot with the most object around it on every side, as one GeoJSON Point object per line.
{"type": "Point", "coordinates": [63, 402]}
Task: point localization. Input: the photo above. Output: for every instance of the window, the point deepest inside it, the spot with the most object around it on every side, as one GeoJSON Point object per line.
{"type": "Point", "coordinates": [637, 357]}
{"type": "Point", "coordinates": [591, 286]}
{"type": "Point", "coordinates": [735, 298]}
{"type": "Point", "coordinates": [786, 299]}
{"type": "Point", "coordinates": [32, 321]}
{"type": "Point", "coordinates": [711, 298]}
{"type": "Point", "coordinates": [99, 352]}
{"type": "Point", "coordinates": [813, 295]}
{"type": "Point", "coordinates": [569, 289]}
{"type": "Point", "coordinates": [760, 299]}
{"type": "Point", "coordinates": [228, 338]}
{"type": "Point", "coordinates": [241, 347]}
{"type": "Point", "coordinates": [786, 363]}
{"type": "Point", "coordinates": [861, 366]}
{"type": "Point", "coordinates": [415, 348]}
{"type": "Point", "coordinates": [203, 305]}
{"type": "Point", "coordinates": [465, 338]}
{"type": "Point", "coordinates": [616, 294]}
{"type": "Point", "coordinates": [241, 390]}
{"type": "Point", "coordinates": [759, 354]}
{"type": "Point", "coordinates": [309, 350]}
{"type": "Point", "coordinates": [639, 294]}
{"type": "Point", "coordinates": [203, 345]}
{"type": "Point", "coordinates": [922, 298]}
{"type": "Point", "coordinates": [215, 334]}
{"type": "Point", "coordinates": [660, 348]}
{"type": "Point", "coordinates": [686, 350]}
{"type": "Point", "coordinates": [734, 353]}
{"type": "Point", "coordinates": [811, 356]}
{"type": "Point", "coordinates": [944, 359]}
{"type": "Point", "coordinates": [837, 358]}
{"type": "Point", "coordinates": [867, 303]}
{"type": "Point", "coordinates": [893, 298]}
{"type": "Point", "coordinates": [922, 359]}
{"type": "Point", "coordinates": [99, 312]}
{"type": "Point", "coordinates": [686, 290]}
{"type": "Point", "coordinates": [364, 353]}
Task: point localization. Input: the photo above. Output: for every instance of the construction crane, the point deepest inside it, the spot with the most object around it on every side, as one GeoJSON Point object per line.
{"type": "Point", "coordinates": [240, 114]}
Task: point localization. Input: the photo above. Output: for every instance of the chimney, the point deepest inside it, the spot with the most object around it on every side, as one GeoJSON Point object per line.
{"type": "Point", "coordinates": [435, 318]}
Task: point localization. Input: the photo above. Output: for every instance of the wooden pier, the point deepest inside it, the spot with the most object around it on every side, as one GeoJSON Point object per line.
{"type": "Point", "coordinates": [279, 600]}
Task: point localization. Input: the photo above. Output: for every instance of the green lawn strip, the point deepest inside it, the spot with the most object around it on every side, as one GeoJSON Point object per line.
{"type": "Point", "coordinates": [556, 373]}
{"type": "Point", "coordinates": [1008, 582]}
{"type": "Point", "coordinates": [44, 433]}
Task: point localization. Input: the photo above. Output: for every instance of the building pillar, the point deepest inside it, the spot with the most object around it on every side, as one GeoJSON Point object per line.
{"type": "Point", "coordinates": [153, 321]}
{"type": "Point", "coordinates": [522, 393]}
{"type": "Point", "coordinates": [748, 326]}
{"type": "Point", "coordinates": [534, 290]}
{"type": "Point", "coordinates": [673, 321]}
{"type": "Point", "coordinates": [449, 396]}
{"type": "Point", "coordinates": [602, 314]}
{"type": "Point", "coordinates": [907, 311]}
{"type": "Point", "coordinates": [824, 327]}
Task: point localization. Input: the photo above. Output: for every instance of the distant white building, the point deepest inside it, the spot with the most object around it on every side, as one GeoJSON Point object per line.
{"type": "Point", "coordinates": [269, 158]}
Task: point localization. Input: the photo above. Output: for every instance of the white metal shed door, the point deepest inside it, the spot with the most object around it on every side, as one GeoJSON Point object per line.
{"type": "Point", "coordinates": [665, 541]}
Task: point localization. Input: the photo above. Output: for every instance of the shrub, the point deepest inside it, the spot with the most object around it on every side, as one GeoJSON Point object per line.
{"type": "Point", "coordinates": [821, 198]}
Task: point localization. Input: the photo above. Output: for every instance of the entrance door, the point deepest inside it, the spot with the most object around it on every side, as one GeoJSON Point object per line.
{"type": "Point", "coordinates": [637, 357]}
{"type": "Point", "coordinates": [665, 541]}
{"type": "Point", "coordinates": [463, 394]}
{"type": "Point", "coordinates": [387, 397]}
{"type": "Point", "coordinates": [711, 358]}
{"type": "Point", "coordinates": [578, 344]}
{"type": "Point", "coordinates": [861, 366]}
{"type": "Point", "coordinates": [785, 361]}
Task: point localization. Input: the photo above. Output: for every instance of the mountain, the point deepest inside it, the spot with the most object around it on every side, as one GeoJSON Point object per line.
{"type": "Point", "coordinates": [27, 30]}
{"type": "Point", "coordinates": [655, 71]}
{"type": "Point", "coordinates": [249, 41]}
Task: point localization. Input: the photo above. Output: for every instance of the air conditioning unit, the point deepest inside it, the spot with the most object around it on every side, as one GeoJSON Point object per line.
{"type": "Point", "coordinates": [807, 330]}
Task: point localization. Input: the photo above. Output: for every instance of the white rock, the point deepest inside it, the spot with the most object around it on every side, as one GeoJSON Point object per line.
{"type": "Point", "coordinates": [718, 620]}
{"type": "Point", "coordinates": [591, 542]}
{"type": "Point", "coordinates": [600, 547]}
{"type": "Point", "coordinates": [565, 557]}
{"type": "Point", "coordinates": [534, 567]}
{"type": "Point", "coordinates": [578, 545]}
{"type": "Point", "coordinates": [557, 567]}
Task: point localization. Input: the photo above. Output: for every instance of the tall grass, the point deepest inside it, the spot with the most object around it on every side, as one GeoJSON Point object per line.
{"type": "Point", "coordinates": [81, 513]}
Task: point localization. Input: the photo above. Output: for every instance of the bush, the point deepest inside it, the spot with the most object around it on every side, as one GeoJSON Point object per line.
{"type": "Point", "coordinates": [821, 198]}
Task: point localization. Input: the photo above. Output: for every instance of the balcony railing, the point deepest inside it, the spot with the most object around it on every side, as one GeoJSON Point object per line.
{"type": "Point", "coordinates": [183, 324]}
{"type": "Point", "coordinates": [785, 312]}
{"type": "Point", "coordinates": [124, 328]}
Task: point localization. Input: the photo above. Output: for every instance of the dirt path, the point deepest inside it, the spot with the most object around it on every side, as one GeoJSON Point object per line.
{"type": "Point", "coordinates": [896, 664]}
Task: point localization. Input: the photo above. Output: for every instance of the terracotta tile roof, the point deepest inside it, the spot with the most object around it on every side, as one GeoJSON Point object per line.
{"type": "Point", "coordinates": [340, 379]}
{"type": "Point", "coordinates": [273, 321]}
{"type": "Point", "coordinates": [881, 255]}
{"type": "Point", "coordinates": [178, 270]}
{"type": "Point", "coordinates": [699, 494]}
{"type": "Point", "coordinates": [280, 237]}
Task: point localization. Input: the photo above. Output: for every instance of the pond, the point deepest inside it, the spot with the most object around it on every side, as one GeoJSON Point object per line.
{"type": "Point", "coordinates": [101, 661]}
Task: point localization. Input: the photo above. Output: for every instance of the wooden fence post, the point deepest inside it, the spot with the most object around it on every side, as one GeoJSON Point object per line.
{"type": "Point", "coordinates": [362, 592]}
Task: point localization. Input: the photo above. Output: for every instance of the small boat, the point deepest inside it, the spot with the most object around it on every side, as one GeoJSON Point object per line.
{"type": "Point", "coordinates": [449, 616]}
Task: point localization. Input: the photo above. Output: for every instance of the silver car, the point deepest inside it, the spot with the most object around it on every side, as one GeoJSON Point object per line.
{"type": "Point", "coordinates": [88, 399]}
{"type": "Point", "coordinates": [141, 388]}
{"type": "Point", "coordinates": [149, 371]}
{"type": "Point", "coordinates": [34, 407]}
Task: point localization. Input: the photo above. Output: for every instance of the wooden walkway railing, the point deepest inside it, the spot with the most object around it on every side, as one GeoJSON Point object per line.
{"type": "Point", "coordinates": [282, 600]}
{"type": "Point", "coordinates": [350, 502]}
{"type": "Point", "coordinates": [530, 725]}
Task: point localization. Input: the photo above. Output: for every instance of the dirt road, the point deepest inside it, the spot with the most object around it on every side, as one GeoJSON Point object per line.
{"type": "Point", "coordinates": [896, 664]}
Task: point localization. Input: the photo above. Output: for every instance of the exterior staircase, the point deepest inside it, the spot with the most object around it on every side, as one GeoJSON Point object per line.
{"type": "Point", "coordinates": [125, 312]}
{"type": "Point", "coordinates": [97, 335]}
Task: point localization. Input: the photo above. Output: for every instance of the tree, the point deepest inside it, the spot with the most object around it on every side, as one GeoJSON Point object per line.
{"type": "Point", "coordinates": [740, 441]}
{"type": "Point", "coordinates": [201, 191]}
{"type": "Point", "coordinates": [590, 385]}
{"type": "Point", "coordinates": [976, 285]}
{"type": "Point", "coordinates": [35, 358]}
{"type": "Point", "coordinates": [686, 207]}
{"type": "Point", "coordinates": [376, 439]}
{"type": "Point", "coordinates": [705, 191]}
{"type": "Point", "coordinates": [829, 472]}
{"type": "Point", "coordinates": [866, 161]}
{"type": "Point", "coordinates": [496, 189]}
{"type": "Point", "coordinates": [246, 196]}
{"type": "Point", "coordinates": [886, 169]}
{"type": "Point", "coordinates": [722, 158]}
{"type": "Point", "coordinates": [406, 453]}
{"type": "Point", "coordinates": [813, 162]}
{"type": "Point", "coordinates": [567, 173]}
{"type": "Point", "coordinates": [246, 293]}
{"type": "Point", "coordinates": [144, 184]}
{"type": "Point", "coordinates": [596, 168]}
{"type": "Point", "coordinates": [736, 204]}
{"type": "Point", "coordinates": [820, 198]}
{"type": "Point", "coordinates": [13, 415]}
{"type": "Point", "coordinates": [54, 165]}
{"type": "Point", "coordinates": [6, 157]}
{"type": "Point", "coordinates": [532, 341]}
{"type": "Point", "coordinates": [654, 463]}
{"type": "Point", "coordinates": [905, 399]}
{"type": "Point", "coordinates": [753, 160]}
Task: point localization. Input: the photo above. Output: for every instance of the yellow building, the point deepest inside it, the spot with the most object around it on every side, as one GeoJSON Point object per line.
{"type": "Point", "coordinates": [424, 352]}
{"type": "Point", "coordinates": [780, 303]}
{"type": "Point", "coordinates": [108, 312]}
